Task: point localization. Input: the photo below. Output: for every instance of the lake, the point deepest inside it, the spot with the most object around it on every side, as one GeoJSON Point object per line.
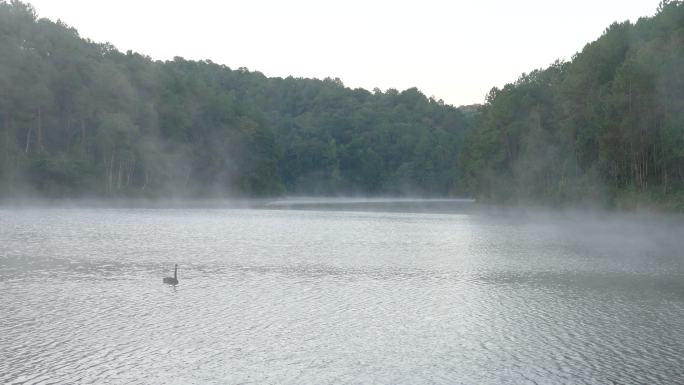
{"type": "Point", "coordinates": [340, 291]}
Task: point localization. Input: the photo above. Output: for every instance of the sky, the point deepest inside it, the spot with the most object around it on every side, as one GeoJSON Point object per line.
{"type": "Point", "coordinates": [452, 50]}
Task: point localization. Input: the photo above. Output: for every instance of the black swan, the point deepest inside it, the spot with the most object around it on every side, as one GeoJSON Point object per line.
{"type": "Point", "coordinates": [172, 280]}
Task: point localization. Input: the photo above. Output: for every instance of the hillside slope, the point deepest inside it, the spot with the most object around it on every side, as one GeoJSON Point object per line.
{"type": "Point", "coordinates": [607, 127]}
{"type": "Point", "coordinates": [79, 118]}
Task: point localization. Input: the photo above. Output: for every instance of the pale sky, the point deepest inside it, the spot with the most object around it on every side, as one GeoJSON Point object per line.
{"type": "Point", "coordinates": [452, 50]}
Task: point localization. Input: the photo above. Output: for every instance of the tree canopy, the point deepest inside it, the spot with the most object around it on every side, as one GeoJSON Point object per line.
{"type": "Point", "coordinates": [81, 118]}
{"type": "Point", "coordinates": [606, 127]}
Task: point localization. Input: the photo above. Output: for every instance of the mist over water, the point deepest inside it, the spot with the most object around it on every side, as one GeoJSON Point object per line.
{"type": "Point", "coordinates": [340, 291]}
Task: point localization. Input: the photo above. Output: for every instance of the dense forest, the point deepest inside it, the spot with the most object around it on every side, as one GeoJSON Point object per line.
{"type": "Point", "coordinates": [78, 118]}
{"type": "Point", "coordinates": [606, 127]}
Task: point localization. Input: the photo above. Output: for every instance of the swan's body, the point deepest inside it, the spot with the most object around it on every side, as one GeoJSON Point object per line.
{"type": "Point", "coordinates": [172, 280]}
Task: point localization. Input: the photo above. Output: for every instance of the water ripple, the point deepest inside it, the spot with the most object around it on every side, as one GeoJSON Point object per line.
{"type": "Point", "coordinates": [298, 297]}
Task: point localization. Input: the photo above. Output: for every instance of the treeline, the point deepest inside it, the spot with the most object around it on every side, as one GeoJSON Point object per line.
{"type": "Point", "coordinates": [79, 118]}
{"type": "Point", "coordinates": [606, 127]}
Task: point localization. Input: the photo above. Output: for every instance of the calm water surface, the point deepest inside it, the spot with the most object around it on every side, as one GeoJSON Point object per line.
{"type": "Point", "coordinates": [367, 293]}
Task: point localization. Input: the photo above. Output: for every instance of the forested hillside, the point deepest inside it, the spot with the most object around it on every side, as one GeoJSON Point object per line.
{"type": "Point", "coordinates": [78, 118]}
{"type": "Point", "coordinates": [606, 127]}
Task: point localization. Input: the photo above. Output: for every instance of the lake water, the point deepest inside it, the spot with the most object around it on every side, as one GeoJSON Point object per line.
{"type": "Point", "coordinates": [326, 292]}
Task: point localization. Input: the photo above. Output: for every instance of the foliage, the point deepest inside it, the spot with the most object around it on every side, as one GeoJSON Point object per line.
{"type": "Point", "coordinates": [81, 118]}
{"type": "Point", "coordinates": [606, 125]}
